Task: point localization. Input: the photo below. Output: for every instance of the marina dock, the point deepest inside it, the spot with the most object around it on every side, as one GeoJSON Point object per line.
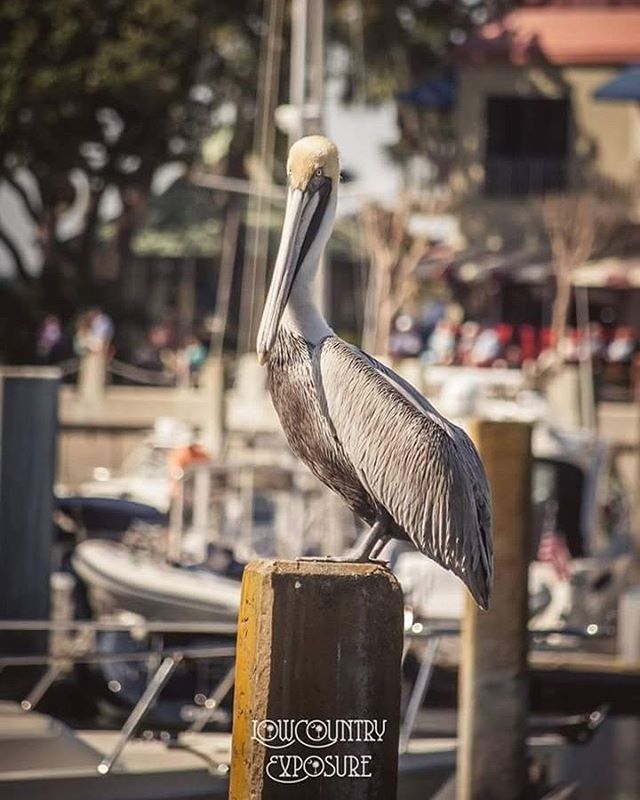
{"type": "Point", "coordinates": [320, 400]}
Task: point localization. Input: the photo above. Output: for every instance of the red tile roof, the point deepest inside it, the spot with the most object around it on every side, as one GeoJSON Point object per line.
{"type": "Point", "coordinates": [558, 35]}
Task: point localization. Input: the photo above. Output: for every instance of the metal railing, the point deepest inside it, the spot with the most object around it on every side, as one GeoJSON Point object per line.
{"type": "Point", "coordinates": [169, 658]}
{"type": "Point", "coordinates": [431, 634]}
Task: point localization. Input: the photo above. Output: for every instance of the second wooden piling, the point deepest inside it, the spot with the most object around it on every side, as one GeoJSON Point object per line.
{"type": "Point", "coordinates": [493, 687]}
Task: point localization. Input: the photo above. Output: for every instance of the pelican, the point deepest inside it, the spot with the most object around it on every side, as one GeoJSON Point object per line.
{"type": "Point", "coordinates": [362, 429]}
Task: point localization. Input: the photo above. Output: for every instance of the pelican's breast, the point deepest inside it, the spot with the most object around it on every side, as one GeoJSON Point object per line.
{"type": "Point", "coordinates": [295, 399]}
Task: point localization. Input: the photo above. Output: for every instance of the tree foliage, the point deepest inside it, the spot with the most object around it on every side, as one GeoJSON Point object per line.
{"type": "Point", "coordinates": [112, 89]}
{"type": "Point", "coordinates": [394, 45]}
{"type": "Point", "coordinates": [102, 93]}
{"type": "Point", "coordinates": [394, 255]}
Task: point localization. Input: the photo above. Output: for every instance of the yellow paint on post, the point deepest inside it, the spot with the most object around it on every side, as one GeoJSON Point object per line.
{"type": "Point", "coordinates": [251, 628]}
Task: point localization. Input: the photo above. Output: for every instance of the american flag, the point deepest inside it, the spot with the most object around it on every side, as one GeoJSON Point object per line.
{"type": "Point", "coordinates": [553, 550]}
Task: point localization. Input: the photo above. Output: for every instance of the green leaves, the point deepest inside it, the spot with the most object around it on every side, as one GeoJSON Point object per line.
{"type": "Point", "coordinates": [63, 61]}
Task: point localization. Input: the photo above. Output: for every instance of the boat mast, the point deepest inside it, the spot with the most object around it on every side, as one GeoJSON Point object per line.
{"type": "Point", "coordinates": [306, 88]}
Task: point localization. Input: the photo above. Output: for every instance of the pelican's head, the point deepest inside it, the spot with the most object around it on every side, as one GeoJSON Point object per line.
{"type": "Point", "coordinates": [313, 172]}
{"type": "Point", "coordinates": [308, 158]}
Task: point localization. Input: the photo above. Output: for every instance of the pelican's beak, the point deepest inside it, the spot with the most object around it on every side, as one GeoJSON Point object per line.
{"type": "Point", "coordinates": [303, 215]}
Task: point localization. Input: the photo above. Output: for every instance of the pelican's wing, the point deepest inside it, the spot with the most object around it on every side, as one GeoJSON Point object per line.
{"type": "Point", "coordinates": [421, 468]}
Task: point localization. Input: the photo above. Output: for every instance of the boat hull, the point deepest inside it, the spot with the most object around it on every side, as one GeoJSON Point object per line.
{"type": "Point", "coordinates": [120, 579]}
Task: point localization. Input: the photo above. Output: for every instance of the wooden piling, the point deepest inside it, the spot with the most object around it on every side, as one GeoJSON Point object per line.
{"type": "Point", "coordinates": [28, 433]}
{"type": "Point", "coordinates": [92, 378]}
{"type": "Point", "coordinates": [493, 685]}
{"type": "Point", "coordinates": [317, 689]}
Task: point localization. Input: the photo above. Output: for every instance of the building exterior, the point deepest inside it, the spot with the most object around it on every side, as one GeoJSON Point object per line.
{"type": "Point", "coordinates": [528, 124]}
{"type": "Point", "coordinates": [524, 105]}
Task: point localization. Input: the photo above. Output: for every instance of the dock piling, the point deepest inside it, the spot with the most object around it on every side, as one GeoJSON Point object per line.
{"type": "Point", "coordinates": [493, 683]}
{"type": "Point", "coordinates": [317, 695]}
{"type": "Point", "coordinates": [28, 434]}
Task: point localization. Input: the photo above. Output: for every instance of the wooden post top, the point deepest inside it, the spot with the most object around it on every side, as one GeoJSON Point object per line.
{"type": "Point", "coordinates": [307, 567]}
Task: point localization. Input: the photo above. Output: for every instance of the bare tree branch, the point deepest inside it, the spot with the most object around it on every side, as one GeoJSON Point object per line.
{"type": "Point", "coordinates": [394, 256]}
{"type": "Point", "coordinates": [571, 222]}
{"type": "Point", "coordinates": [15, 254]}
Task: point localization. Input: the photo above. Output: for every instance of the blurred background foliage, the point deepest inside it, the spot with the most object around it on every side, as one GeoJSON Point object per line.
{"type": "Point", "coordinates": [100, 94]}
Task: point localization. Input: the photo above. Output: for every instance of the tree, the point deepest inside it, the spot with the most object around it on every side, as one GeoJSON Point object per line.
{"type": "Point", "coordinates": [573, 223]}
{"type": "Point", "coordinates": [101, 94]}
{"type": "Point", "coordinates": [95, 96]}
{"type": "Point", "coordinates": [395, 46]}
{"type": "Point", "coordinates": [394, 255]}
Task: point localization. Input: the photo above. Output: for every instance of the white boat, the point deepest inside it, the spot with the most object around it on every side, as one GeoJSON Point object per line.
{"type": "Point", "coordinates": [118, 577]}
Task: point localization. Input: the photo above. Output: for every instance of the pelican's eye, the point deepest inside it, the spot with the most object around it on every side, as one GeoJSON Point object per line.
{"type": "Point", "coordinates": [319, 172]}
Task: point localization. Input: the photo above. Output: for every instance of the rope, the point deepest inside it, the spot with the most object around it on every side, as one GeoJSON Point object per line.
{"type": "Point", "coordinates": [69, 366]}
{"type": "Point", "coordinates": [140, 375]}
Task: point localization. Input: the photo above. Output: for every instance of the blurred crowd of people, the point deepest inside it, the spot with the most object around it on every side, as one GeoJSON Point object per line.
{"type": "Point", "coordinates": [93, 332]}
{"type": "Point", "coordinates": [161, 350]}
{"type": "Point", "coordinates": [614, 346]}
{"type": "Point", "coordinates": [472, 344]}
{"type": "Point", "coordinates": [436, 340]}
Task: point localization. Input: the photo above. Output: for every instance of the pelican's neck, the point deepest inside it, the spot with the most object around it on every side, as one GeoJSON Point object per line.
{"type": "Point", "coordinates": [302, 315]}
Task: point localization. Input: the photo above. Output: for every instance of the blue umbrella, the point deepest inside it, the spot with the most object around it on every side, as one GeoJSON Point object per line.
{"type": "Point", "coordinates": [438, 94]}
{"type": "Point", "coordinates": [625, 86]}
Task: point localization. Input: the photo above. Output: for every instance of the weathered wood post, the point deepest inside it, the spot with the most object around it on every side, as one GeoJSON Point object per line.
{"type": "Point", "coordinates": [629, 624]}
{"type": "Point", "coordinates": [493, 686]}
{"type": "Point", "coordinates": [92, 378]}
{"type": "Point", "coordinates": [317, 691]}
{"type": "Point", "coordinates": [213, 420]}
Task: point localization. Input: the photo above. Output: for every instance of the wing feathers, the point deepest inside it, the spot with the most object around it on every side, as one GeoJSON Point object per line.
{"type": "Point", "coordinates": [421, 468]}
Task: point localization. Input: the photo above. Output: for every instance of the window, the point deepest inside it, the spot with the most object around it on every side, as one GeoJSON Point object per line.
{"type": "Point", "coordinates": [527, 145]}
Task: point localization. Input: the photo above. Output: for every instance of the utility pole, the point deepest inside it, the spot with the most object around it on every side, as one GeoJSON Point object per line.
{"type": "Point", "coordinates": [298, 67]}
{"type": "Point", "coordinates": [255, 260]}
{"type": "Point", "coordinates": [316, 66]}
{"type": "Point", "coordinates": [306, 90]}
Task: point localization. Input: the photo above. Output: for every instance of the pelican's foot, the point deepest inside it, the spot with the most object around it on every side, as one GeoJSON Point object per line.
{"type": "Point", "coordinates": [347, 558]}
{"type": "Point", "coordinates": [365, 551]}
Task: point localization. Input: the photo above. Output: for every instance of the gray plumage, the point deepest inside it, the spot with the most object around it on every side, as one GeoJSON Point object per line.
{"type": "Point", "coordinates": [363, 430]}
{"type": "Point", "coordinates": [375, 440]}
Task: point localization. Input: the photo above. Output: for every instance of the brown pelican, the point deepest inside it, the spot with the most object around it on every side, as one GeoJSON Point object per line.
{"type": "Point", "coordinates": [361, 429]}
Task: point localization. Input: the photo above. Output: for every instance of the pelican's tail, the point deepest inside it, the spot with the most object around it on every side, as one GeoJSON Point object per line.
{"type": "Point", "coordinates": [478, 582]}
